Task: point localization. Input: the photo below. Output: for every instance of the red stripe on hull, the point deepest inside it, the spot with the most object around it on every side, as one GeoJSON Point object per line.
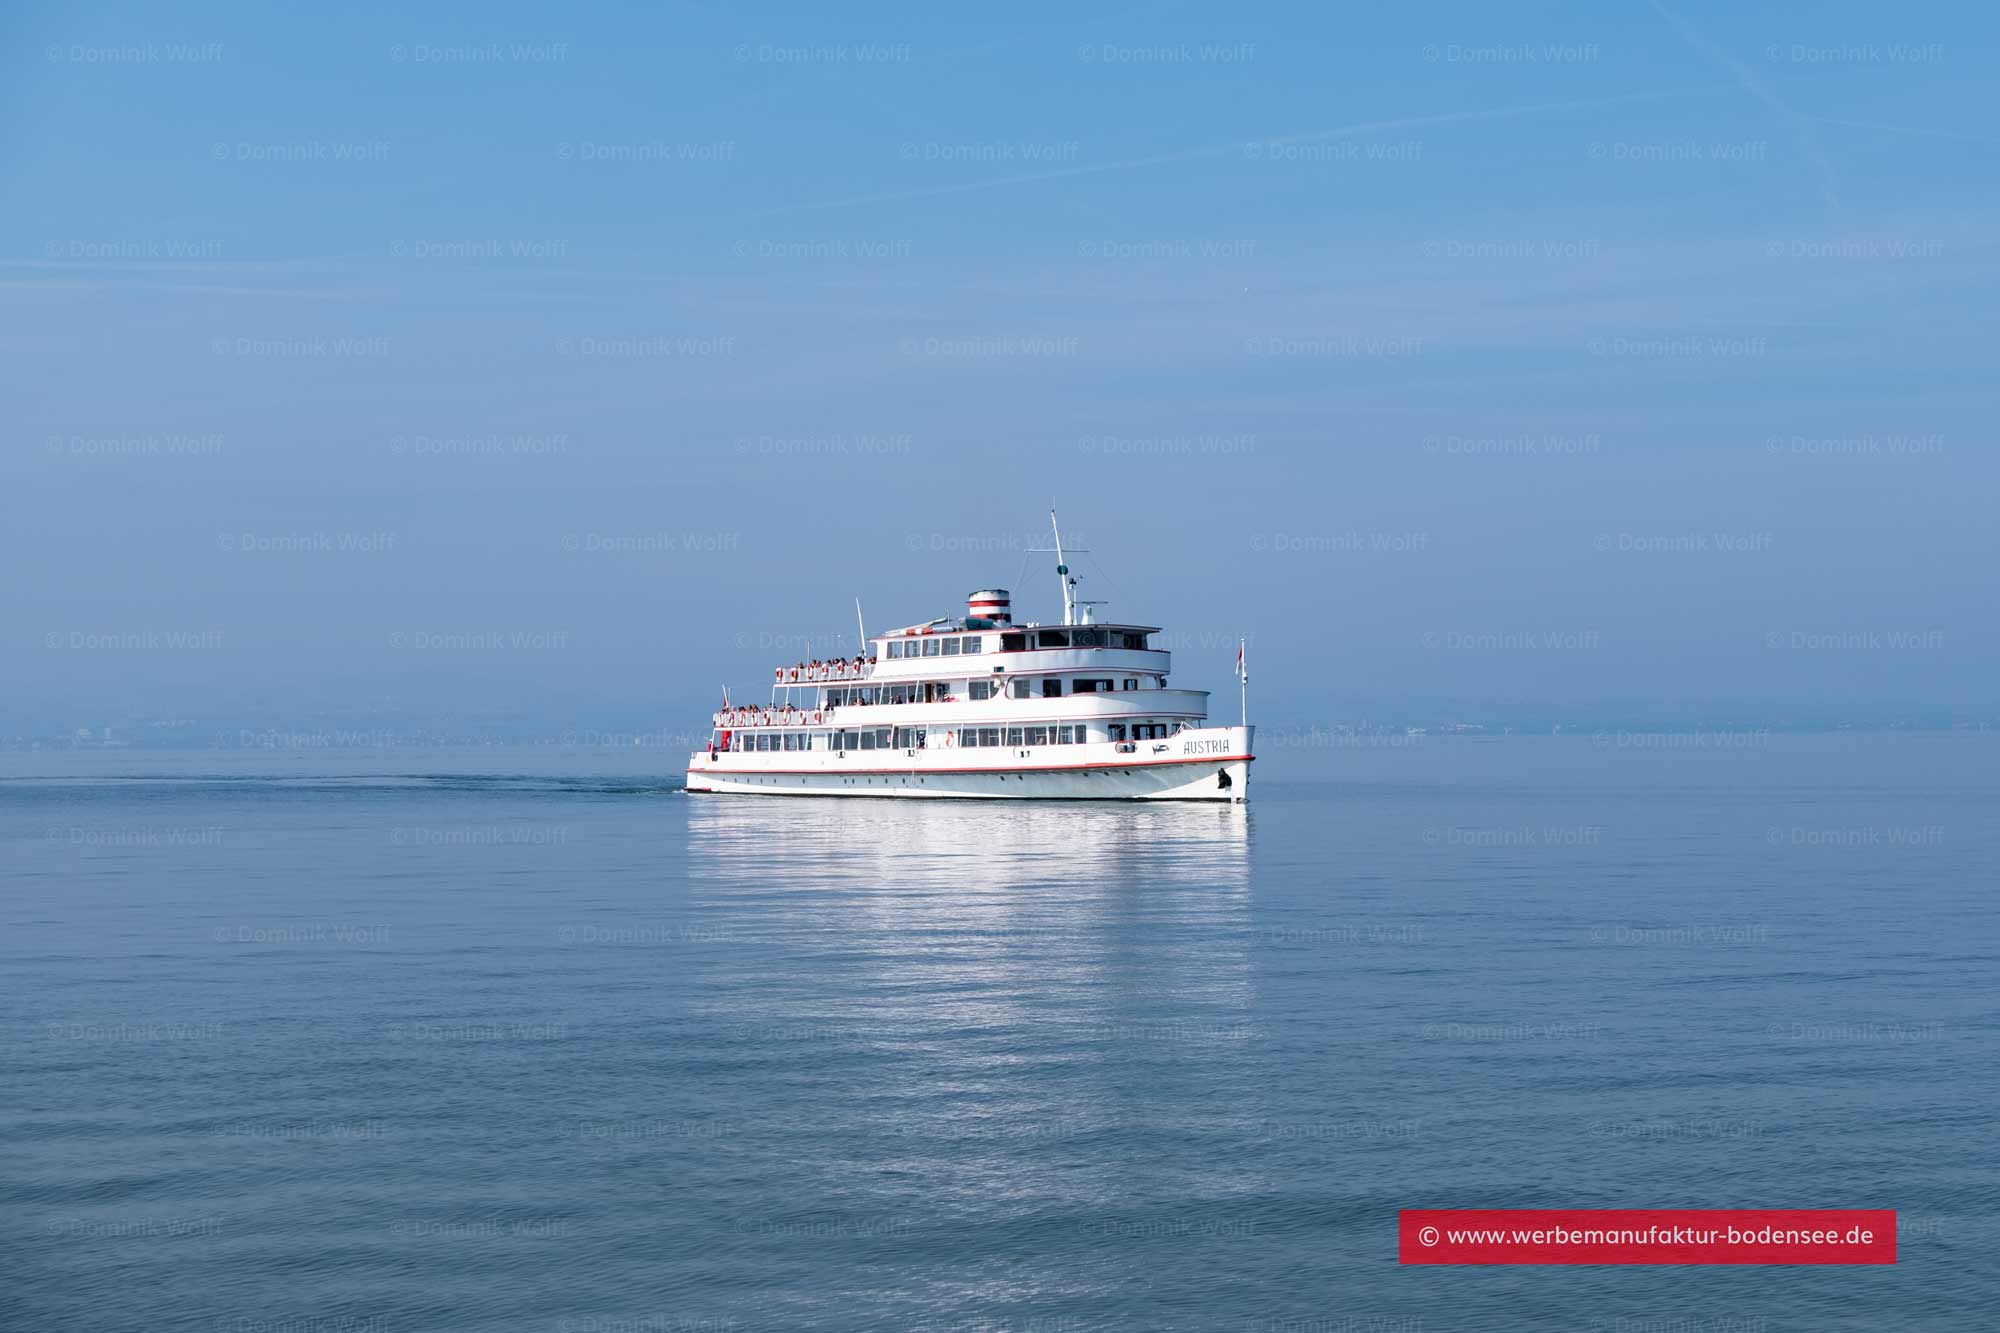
{"type": "Point", "coordinates": [1040, 768]}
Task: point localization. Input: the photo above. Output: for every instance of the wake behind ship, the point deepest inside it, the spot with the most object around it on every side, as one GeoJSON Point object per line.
{"type": "Point", "coordinates": [977, 706]}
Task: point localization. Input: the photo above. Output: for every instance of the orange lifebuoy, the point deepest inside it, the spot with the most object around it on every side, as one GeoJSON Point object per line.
{"type": "Point", "coordinates": [815, 717]}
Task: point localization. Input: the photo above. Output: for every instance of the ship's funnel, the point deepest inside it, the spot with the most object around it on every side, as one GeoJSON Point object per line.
{"type": "Point", "coordinates": [989, 607]}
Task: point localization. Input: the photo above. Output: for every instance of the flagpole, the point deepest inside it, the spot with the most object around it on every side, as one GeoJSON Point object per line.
{"type": "Point", "coordinates": [1243, 682]}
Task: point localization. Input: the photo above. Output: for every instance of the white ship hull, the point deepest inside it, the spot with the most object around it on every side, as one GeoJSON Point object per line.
{"type": "Point", "coordinates": [1206, 764]}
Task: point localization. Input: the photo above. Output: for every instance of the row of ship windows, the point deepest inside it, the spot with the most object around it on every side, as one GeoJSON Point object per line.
{"type": "Point", "coordinates": [940, 691]}
{"type": "Point", "coordinates": [921, 738]}
{"type": "Point", "coordinates": [1014, 641]}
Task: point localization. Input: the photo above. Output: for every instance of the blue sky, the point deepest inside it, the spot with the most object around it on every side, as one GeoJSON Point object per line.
{"type": "Point", "coordinates": [501, 365]}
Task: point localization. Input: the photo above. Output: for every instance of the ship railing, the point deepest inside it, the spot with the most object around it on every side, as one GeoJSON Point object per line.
{"type": "Point", "coordinates": [807, 672]}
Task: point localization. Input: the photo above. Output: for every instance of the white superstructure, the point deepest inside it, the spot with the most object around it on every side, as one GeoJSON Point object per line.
{"type": "Point", "coordinates": [977, 706]}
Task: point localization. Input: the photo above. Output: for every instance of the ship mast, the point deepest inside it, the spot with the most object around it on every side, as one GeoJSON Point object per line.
{"type": "Point", "coordinates": [1071, 602]}
{"type": "Point", "coordinates": [1062, 572]}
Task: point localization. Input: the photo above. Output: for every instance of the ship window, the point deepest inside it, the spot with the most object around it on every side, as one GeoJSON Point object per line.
{"type": "Point", "coordinates": [1020, 688]}
{"type": "Point", "coordinates": [1052, 638]}
{"type": "Point", "coordinates": [868, 739]}
{"type": "Point", "coordinates": [1117, 730]}
{"type": "Point", "coordinates": [1088, 638]}
{"type": "Point", "coordinates": [1014, 735]}
{"type": "Point", "coordinates": [1013, 643]}
{"type": "Point", "coordinates": [895, 649]}
{"type": "Point", "coordinates": [1036, 736]}
{"type": "Point", "coordinates": [930, 647]}
{"type": "Point", "coordinates": [950, 647]}
{"type": "Point", "coordinates": [989, 735]}
{"type": "Point", "coordinates": [979, 689]}
{"type": "Point", "coordinates": [1132, 640]}
{"type": "Point", "coordinates": [971, 645]}
{"type": "Point", "coordinates": [1052, 688]}
{"type": "Point", "coordinates": [968, 736]}
{"type": "Point", "coordinates": [1131, 684]}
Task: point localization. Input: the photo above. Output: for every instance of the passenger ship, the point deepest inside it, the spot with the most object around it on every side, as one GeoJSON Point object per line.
{"type": "Point", "coordinates": [977, 706]}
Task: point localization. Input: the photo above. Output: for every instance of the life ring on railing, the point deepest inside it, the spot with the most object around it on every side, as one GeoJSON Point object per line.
{"type": "Point", "coordinates": [947, 738]}
{"type": "Point", "coordinates": [815, 718]}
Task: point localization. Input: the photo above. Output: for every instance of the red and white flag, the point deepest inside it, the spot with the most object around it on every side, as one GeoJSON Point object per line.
{"type": "Point", "coordinates": [1242, 671]}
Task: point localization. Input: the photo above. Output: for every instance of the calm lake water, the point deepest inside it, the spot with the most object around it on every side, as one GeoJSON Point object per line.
{"type": "Point", "coordinates": [530, 1040]}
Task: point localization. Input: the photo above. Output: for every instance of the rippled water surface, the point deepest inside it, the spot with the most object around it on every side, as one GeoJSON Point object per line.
{"type": "Point", "coordinates": [399, 1042]}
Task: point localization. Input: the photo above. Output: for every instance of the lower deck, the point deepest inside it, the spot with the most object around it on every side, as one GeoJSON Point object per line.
{"type": "Point", "coordinates": [1207, 764]}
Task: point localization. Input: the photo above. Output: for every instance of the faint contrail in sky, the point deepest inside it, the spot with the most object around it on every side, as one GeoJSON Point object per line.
{"type": "Point", "coordinates": [1224, 150]}
{"type": "Point", "coordinates": [1747, 79]}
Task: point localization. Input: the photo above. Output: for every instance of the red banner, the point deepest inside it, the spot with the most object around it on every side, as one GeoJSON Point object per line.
{"type": "Point", "coordinates": [1647, 1235]}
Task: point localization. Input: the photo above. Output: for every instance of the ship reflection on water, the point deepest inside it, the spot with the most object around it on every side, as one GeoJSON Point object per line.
{"type": "Point", "coordinates": [966, 935]}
